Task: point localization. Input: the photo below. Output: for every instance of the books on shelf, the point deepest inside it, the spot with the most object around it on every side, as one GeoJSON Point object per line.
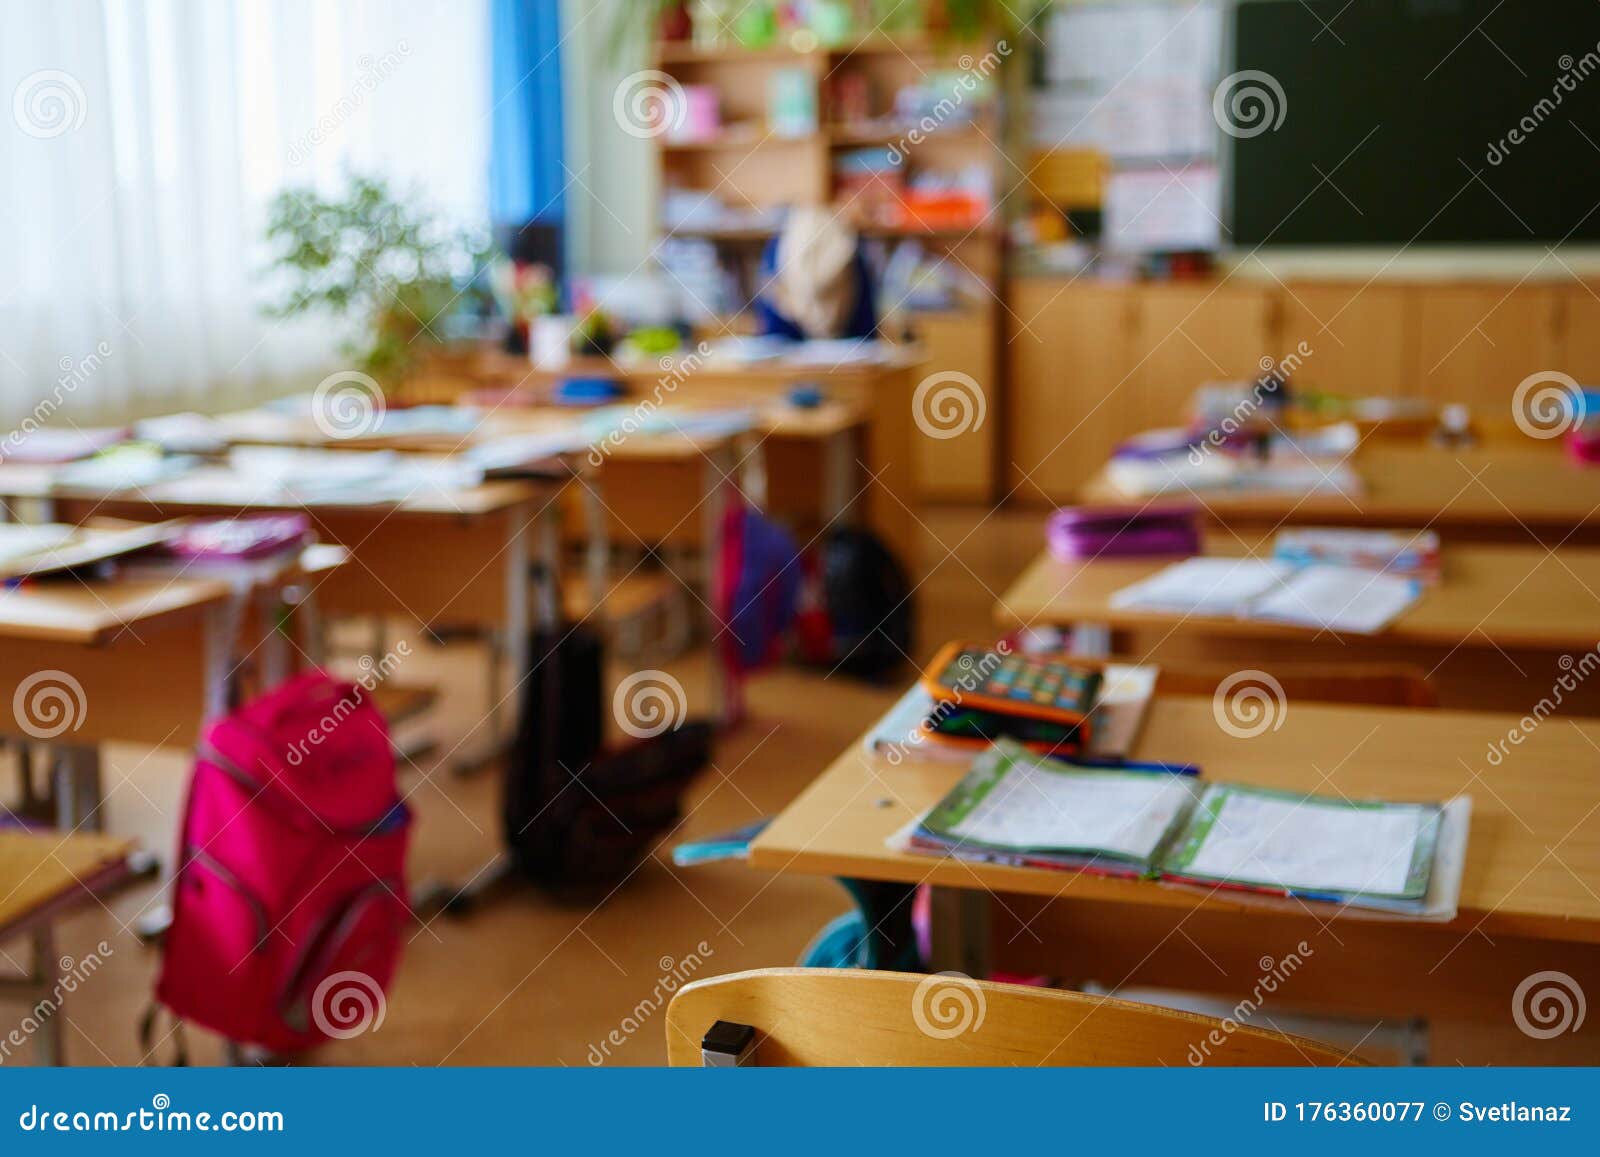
{"type": "Point", "coordinates": [1383, 857]}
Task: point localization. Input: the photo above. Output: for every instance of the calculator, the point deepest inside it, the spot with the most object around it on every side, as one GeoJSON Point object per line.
{"type": "Point", "coordinates": [1051, 688]}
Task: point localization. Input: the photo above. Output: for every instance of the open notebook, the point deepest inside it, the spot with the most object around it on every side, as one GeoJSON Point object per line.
{"type": "Point", "coordinates": [1013, 808]}
{"type": "Point", "coordinates": [1327, 597]}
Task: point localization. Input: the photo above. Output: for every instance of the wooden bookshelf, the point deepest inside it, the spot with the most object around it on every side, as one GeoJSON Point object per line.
{"type": "Point", "coordinates": [746, 165]}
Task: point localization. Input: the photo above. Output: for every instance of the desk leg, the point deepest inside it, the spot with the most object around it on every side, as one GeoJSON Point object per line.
{"type": "Point", "coordinates": [77, 787]}
{"type": "Point", "coordinates": [597, 549]}
{"type": "Point", "coordinates": [838, 464]}
{"type": "Point", "coordinates": [961, 930]}
{"type": "Point", "coordinates": [714, 504]}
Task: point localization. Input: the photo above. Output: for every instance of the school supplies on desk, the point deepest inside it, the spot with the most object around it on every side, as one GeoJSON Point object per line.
{"type": "Point", "coordinates": [1338, 598]}
{"type": "Point", "coordinates": [914, 724]}
{"type": "Point", "coordinates": [1383, 858]}
{"type": "Point", "coordinates": [1208, 586]}
{"type": "Point", "coordinates": [1407, 553]}
{"type": "Point", "coordinates": [1078, 532]}
{"type": "Point", "coordinates": [1015, 809]}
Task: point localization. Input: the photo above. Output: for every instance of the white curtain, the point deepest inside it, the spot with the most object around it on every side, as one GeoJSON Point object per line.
{"type": "Point", "coordinates": [140, 141]}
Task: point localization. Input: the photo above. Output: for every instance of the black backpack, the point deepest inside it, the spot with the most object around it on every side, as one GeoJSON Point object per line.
{"type": "Point", "coordinates": [591, 832]}
{"type": "Point", "coordinates": [866, 600]}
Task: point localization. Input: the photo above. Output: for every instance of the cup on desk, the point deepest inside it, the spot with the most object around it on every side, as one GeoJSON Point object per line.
{"type": "Point", "coordinates": [550, 340]}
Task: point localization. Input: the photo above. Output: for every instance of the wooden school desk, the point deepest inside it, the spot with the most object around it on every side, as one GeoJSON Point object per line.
{"type": "Point", "coordinates": [436, 558]}
{"type": "Point", "coordinates": [1530, 897]}
{"type": "Point", "coordinates": [44, 877]}
{"type": "Point", "coordinates": [878, 396]}
{"type": "Point", "coordinates": [1504, 490]}
{"type": "Point", "coordinates": [1495, 634]}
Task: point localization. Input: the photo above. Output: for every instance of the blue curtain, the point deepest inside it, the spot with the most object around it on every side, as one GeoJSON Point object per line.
{"type": "Point", "coordinates": [525, 173]}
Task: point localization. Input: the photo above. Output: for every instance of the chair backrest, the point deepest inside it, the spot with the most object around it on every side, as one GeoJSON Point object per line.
{"type": "Point", "coordinates": [1385, 684]}
{"type": "Point", "coordinates": [834, 1017]}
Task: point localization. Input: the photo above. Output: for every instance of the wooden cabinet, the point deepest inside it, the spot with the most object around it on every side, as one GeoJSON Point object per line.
{"type": "Point", "coordinates": [1578, 351]}
{"type": "Point", "coordinates": [1071, 392]}
{"type": "Point", "coordinates": [1476, 342]}
{"type": "Point", "coordinates": [1360, 337]}
{"type": "Point", "coordinates": [960, 347]}
{"type": "Point", "coordinates": [1186, 334]}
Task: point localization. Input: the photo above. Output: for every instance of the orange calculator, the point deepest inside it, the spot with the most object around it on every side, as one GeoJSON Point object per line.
{"type": "Point", "coordinates": [1045, 688]}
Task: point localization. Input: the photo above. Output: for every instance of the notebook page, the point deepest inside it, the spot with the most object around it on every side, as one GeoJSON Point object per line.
{"type": "Point", "coordinates": [1339, 598]}
{"type": "Point", "coordinates": [1126, 814]}
{"type": "Point", "coordinates": [1307, 845]}
{"type": "Point", "coordinates": [1218, 585]}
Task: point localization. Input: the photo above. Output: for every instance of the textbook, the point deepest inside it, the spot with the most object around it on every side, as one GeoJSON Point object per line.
{"type": "Point", "coordinates": [1013, 808]}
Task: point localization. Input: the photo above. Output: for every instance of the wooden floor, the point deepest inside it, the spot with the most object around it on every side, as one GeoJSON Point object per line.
{"type": "Point", "coordinates": [529, 981]}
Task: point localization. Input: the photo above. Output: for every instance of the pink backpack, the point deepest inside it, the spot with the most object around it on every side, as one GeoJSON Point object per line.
{"type": "Point", "coordinates": [289, 901]}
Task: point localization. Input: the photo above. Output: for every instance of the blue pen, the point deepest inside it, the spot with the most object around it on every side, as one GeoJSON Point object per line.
{"type": "Point", "coordinates": [1138, 765]}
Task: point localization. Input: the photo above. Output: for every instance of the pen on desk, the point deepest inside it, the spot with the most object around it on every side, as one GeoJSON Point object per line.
{"type": "Point", "coordinates": [1139, 765]}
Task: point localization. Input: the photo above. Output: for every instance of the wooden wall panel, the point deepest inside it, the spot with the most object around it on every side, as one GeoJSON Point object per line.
{"type": "Point", "coordinates": [1361, 336]}
{"type": "Point", "coordinates": [1189, 334]}
{"type": "Point", "coordinates": [1476, 342]}
{"type": "Point", "coordinates": [1071, 394]}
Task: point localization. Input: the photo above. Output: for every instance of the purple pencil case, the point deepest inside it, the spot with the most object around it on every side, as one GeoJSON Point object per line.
{"type": "Point", "coordinates": [240, 538]}
{"type": "Point", "coordinates": [1078, 532]}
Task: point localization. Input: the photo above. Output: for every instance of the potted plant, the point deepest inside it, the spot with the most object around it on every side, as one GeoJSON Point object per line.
{"type": "Point", "coordinates": [386, 267]}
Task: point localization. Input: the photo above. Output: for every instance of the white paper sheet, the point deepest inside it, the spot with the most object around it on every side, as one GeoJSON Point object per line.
{"type": "Point", "coordinates": [1309, 845]}
{"type": "Point", "coordinates": [1218, 586]}
{"type": "Point", "coordinates": [1339, 598]}
{"type": "Point", "coordinates": [1125, 813]}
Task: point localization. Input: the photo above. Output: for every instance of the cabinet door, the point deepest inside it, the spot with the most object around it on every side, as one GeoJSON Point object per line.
{"type": "Point", "coordinates": [1360, 337]}
{"type": "Point", "coordinates": [959, 467]}
{"type": "Point", "coordinates": [1187, 335]}
{"type": "Point", "coordinates": [1579, 343]}
{"type": "Point", "coordinates": [1476, 342]}
{"type": "Point", "coordinates": [1071, 393]}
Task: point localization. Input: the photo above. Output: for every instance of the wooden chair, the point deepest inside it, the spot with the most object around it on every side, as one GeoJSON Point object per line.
{"type": "Point", "coordinates": [841, 1017]}
{"type": "Point", "coordinates": [1376, 684]}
